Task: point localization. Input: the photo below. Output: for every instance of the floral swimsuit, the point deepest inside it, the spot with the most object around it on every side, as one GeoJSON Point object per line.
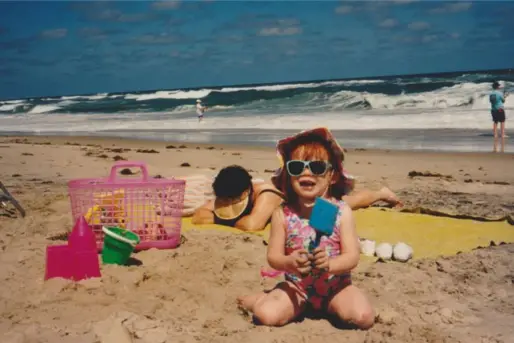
{"type": "Point", "coordinates": [319, 286]}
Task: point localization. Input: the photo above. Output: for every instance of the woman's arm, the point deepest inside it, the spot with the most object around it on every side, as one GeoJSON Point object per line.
{"type": "Point", "coordinates": [204, 214]}
{"type": "Point", "coordinates": [277, 258]}
{"type": "Point", "coordinates": [350, 248]}
{"type": "Point", "coordinates": [262, 210]}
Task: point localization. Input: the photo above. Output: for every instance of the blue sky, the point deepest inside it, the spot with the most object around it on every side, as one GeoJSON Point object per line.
{"type": "Point", "coordinates": [58, 48]}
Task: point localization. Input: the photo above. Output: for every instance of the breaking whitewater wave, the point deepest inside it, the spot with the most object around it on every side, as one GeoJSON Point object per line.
{"type": "Point", "coordinates": [409, 102]}
{"type": "Point", "coordinates": [467, 90]}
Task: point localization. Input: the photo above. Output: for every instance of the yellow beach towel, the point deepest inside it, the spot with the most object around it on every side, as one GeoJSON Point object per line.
{"type": "Point", "coordinates": [429, 236]}
{"type": "Point", "coordinates": [187, 226]}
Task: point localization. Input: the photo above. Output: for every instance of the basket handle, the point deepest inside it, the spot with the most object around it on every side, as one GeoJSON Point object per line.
{"type": "Point", "coordinates": [128, 164]}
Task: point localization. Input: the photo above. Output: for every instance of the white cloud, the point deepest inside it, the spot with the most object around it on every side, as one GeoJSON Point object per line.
{"type": "Point", "coordinates": [93, 33]}
{"type": "Point", "coordinates": [388, 23]}
{"type": "Point", "coordinates": [166, 5]}
{"type": "Point", "coordinates": [403, 39]}
{"type": "Point", "coordinates": [418, 25]}
{"type": "Point", "coordinates": [429, 38]}
{"type": "Point", "coordinates": [345, 9]}
{"type": "Point", "coordinates": [280, 31]}
{"type": "Point", "coordinates": [452, 7]}
{"type": "Point", "coordinates": [460, 6]}
{"type": "Point", "coordinates": [54, 33]}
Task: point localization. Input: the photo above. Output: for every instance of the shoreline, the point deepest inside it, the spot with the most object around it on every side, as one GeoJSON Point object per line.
{"type": "Point", "coordinates": [135, 141]}
{"type": "Point", "coordinates": [428, 141]}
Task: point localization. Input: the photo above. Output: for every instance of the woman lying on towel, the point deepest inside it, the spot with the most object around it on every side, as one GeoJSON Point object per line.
{"type": "Point", "coordinates": [247, 205]}
{"type": "Point", "coordinates": [239, 202]}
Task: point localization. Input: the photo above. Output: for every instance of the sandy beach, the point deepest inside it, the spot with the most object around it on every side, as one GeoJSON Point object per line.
{"type": "Point", "coordinates": [188, 294]}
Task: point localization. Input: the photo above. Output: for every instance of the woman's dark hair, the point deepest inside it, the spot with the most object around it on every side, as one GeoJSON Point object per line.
{"type": "Point", "coordinates": [231, 182]}
{"type": "Point", "coordinates": [496, 85]}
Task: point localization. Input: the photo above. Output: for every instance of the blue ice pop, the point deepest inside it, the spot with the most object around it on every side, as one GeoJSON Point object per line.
{"type": "Point", "coordinates": [323, 219]}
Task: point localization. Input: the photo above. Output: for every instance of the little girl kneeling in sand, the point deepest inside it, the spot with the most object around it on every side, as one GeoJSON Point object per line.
{"type": "Point", "coordinates": [312, 167]}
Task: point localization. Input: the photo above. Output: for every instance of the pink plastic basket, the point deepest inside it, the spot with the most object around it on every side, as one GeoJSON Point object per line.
{"type": "Point", "coordinates": [149, 207]}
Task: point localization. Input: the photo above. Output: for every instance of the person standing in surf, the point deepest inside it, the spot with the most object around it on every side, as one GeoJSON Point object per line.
{"type": "Point", "coordinates": [497, 100]}
{"type": "Point", "coordinates": [200, 109]}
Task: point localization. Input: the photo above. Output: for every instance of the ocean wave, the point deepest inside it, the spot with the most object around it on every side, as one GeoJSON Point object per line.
{"type": "Point", "coordinates": [466, 94]}
{"type": "Point", "coordinates": [170, 95]}
{"type": "Point", "coordinates": [12, 102]}
{"type": "Point", "coordinates": [43, 109]}
{"type": "Point", "coordinates": [466, 91]}
{"type": "Point", "coordinates": [281, 87]}
{"type": "Point", "coordinates": [10, 107]}
{"type": "Point", "coordinates": [98, 96]}
{"type": "Point", "coordinates": [203, 93]}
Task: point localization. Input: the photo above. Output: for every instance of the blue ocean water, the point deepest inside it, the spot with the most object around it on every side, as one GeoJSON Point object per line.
{"type": "Point", "coordinates": [456, 101]}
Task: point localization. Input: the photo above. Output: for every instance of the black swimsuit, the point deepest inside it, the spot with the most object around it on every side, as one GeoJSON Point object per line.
{"type": "Point", "coordinates": [246, 211]}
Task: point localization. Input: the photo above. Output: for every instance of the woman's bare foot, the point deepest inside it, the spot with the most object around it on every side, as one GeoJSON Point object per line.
{"type": "Point", "coordinates": [390, 197]}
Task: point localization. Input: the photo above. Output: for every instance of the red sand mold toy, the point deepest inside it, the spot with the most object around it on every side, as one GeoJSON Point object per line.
{"type": "Point", "coordinates": [78, 259]}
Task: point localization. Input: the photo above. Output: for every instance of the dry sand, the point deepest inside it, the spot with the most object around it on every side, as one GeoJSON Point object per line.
{"type": "Point", "coordinates": [188, 294]}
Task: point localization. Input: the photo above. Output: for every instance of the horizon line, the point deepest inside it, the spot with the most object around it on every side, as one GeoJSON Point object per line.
{"type": "Point", "coordinates": [386, 77]}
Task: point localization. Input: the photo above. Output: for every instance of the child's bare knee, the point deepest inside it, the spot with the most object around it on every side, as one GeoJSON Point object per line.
{"type": "Point", "coordinates": [364, 318]}
{"type": "Point", "coordinates": [268, 315]}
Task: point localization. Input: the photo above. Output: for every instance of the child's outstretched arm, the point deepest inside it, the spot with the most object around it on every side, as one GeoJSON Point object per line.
{"type": "Point", "coordinates": [350, 247]}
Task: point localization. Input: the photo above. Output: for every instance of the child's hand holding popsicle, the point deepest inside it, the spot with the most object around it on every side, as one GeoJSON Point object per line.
{"type": "Point", "coordinates": [320, 259]}
{"type": "Point", "coordinates": [298, 263]}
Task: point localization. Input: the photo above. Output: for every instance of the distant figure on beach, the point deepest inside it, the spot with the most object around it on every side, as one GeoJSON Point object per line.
{"type": "Point", "coordinates": [200, 109]}
{"type": "Point", "coordinates": [497, 100]}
